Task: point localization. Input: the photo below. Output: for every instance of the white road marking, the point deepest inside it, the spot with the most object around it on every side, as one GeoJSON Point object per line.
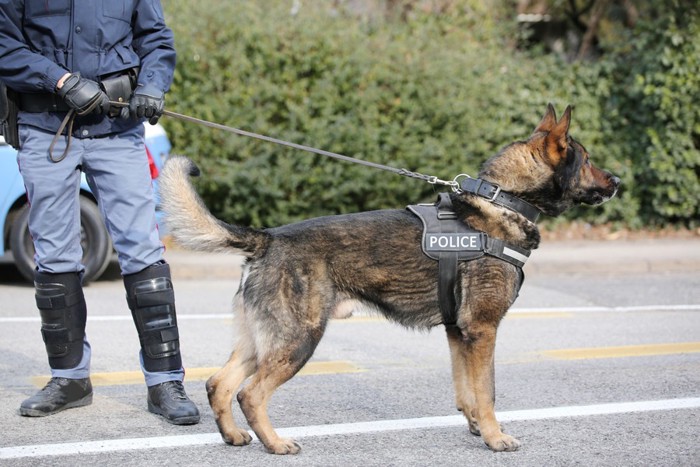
{"type": "Point", "coordinates": [124, 317]}
{"type": "Point", "coordinates": [225, 316]}
{"type": "Point", "coordinates": [133, 444]}
{"type": "Point", "coordinates": [608, 309]}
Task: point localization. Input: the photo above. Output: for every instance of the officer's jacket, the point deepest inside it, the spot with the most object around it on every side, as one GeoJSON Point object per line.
{"type": "Point", "coordinates": [41, 40]}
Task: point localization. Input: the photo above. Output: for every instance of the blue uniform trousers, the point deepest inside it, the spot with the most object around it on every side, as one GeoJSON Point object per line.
{"type": "Point", "coordinates": [116, 168]}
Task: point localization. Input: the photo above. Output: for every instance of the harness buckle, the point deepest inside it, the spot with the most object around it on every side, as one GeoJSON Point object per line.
{"type": "Point", "coordinates": [496, 193]}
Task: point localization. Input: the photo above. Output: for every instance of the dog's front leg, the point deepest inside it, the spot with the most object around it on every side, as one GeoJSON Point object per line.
{"type": "Point", "coordinates": [464, 390]}
{"type": "Point", "coordinates": [480, 345]}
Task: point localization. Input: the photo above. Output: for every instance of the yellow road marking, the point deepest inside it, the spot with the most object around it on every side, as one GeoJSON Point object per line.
{"type": "Point", "coordinates": [624, 351]}
{"type": "Point", "coordinates": [114, 378]}
{"type": "Point", "coordinates": [119, 378]}
{"type": "Point", "coordinates": [340, 367]}
{"type": "Point", "coordinates": [329, 368]}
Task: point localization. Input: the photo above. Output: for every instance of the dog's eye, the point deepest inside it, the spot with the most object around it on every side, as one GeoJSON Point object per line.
{"type": "Point", "coordinates": [587, 163]}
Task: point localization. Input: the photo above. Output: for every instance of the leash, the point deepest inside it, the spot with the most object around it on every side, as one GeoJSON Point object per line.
{"type": "Point", "coordinates": [404, 172]}
{"type": "Point", "coordinates": [67, 120]}
{"type": "Point", "coordinates": [487, 190]}
{"type": "Point", "coordinates": [454, 184]}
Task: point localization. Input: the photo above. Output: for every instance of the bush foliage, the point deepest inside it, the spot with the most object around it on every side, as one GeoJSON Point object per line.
{"type": "Point", "coordinates": [437, 94]}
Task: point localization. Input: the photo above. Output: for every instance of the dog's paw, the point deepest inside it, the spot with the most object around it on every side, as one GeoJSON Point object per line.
{"type": "Point", "coordinates": [474, 427]}
{"type": "Point", "coordinates": [237, 437]}
{"type": "Point", "coordinates": [502, 442]}
{"type": "Point", "coordinates": [470, 415]}
{"type": "Point", "coordinates": [284, 446]}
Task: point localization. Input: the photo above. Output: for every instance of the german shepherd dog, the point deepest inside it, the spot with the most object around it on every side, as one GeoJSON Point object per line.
{"type": "Point", "coordinates": [298, 276]}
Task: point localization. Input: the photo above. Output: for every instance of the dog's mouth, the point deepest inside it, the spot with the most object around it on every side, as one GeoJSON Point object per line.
{"type": "Point", "coordinates": [599, 199]}
{"type": "Point", "coordinates": [603, 194]}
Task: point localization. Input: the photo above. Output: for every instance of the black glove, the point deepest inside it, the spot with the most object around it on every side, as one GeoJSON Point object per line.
{"type": "Point", "coordinates": [147, 101]}
{"type": "Point", "coordinates": [83, 95]}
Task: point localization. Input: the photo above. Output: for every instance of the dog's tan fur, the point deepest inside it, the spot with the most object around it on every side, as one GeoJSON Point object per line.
{"type": "Point", "coordinates": [297, 277]}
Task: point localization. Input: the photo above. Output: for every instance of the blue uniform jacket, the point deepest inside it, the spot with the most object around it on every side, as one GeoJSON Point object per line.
{"type": "Point", "coordinates": [41, 40]}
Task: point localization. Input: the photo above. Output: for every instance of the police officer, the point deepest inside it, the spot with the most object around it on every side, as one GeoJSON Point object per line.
{"type": "Point", "coordinates": [67, 59]}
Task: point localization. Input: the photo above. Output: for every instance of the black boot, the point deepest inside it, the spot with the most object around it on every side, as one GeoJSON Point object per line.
{"type": "Point", "coordinates": [58, 394]}
{"type": "Point", "coordinates": [169, 400]}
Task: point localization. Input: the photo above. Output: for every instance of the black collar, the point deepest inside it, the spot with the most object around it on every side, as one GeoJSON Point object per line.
{"type": "Point", "coordinates": [493, 193]}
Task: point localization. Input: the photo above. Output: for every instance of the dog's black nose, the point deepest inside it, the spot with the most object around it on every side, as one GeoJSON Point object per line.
{"type": "Point", "coordinates": [616, 181]}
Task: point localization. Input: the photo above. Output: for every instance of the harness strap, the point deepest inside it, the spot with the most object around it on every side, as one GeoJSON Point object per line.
{"type": "Point", "coordinates": [447, 264]}
{"type": "Point", "coordinates": [448, 240]}
{"type": "Point", "coordinates": [509, 253]}
{"type": "Point", "coordinates": [493, 193]}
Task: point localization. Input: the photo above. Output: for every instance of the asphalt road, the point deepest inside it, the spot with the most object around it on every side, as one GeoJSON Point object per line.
{"type": "Point", "coordinates": [592, 369]}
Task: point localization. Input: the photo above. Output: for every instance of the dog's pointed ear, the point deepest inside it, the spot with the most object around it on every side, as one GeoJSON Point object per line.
{"type": "Point", "coordinates": [562, 126]}
{"type": "Point", "coordinates": [548, 121]}
{"type": "Point", "coordinates": [556, 139]}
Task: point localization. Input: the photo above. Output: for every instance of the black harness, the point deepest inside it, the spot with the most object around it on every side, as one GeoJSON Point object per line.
{"type": "Point", "coordinates": [449, 240]}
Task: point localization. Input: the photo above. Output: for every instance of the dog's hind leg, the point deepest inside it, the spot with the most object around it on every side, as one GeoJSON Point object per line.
{"type": "Point", "coordinates": [274, 370]}
{"type": "Point", "coordinates": [220, 389]}
{"type": "Point", "coordinates": [480, 349]}
{"type": "Point", "coordinates": [464, 389]}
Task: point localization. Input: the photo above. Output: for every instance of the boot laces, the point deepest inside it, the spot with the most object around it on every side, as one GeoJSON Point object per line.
{"type": "Point", "coordinates": [176, 390]}
{"type": "Point", "coordinates": [54, 385]}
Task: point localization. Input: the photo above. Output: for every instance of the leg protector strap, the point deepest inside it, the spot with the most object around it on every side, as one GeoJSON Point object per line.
{"type": "Point", "coordinates": [151, 300]}
{"type": "Point", "coordinates": [61, 304]}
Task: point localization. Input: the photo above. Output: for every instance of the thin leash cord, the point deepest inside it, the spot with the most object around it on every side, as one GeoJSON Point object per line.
{"type": "Point", "coordinates": [404, 172]}
{"type": "Point", "coordinates": [67, 120]}
{"type": "Point", "coordinates": [301, 147]}
{"type": "Point", "coordinates": [269, 139]}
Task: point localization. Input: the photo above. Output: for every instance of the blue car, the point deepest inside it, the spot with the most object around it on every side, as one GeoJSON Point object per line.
{"type": "Point", "coordinates": [15, 241]}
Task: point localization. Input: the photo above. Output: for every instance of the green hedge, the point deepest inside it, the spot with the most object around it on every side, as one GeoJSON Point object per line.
{"type": "Point", "coordinates": [438, 95]}
{"type": "Point", "coordinates": [653, 113]}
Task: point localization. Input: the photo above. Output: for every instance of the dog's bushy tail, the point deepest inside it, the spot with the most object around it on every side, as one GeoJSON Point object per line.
{"type": "Point", "coordinates": [189, 221]}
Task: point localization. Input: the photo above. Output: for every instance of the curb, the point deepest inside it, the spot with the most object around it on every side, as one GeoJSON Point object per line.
{"type": "Point", "coordinates": [616, 257]}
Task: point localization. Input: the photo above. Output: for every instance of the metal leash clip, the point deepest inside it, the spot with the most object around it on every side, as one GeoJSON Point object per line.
{"type": "Point", "coordinates": [456, 186]}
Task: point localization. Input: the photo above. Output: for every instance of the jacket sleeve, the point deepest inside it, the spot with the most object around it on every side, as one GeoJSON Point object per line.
{"type": "Point", "coordinates": [20, 68]}
{"type": "Point", "coordinates": [155, 45]}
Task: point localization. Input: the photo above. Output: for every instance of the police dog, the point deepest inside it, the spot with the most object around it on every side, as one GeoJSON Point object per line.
{"type": "Point", "coordinates": [297, 277]}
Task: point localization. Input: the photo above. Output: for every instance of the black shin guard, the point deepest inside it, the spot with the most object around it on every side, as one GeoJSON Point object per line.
{"type": "Point", "coordinates": [61, 304]}
{"type": "Point", "coordinates": [152, 302]}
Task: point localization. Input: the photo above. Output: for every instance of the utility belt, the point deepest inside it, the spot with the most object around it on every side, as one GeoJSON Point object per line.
{"type": "Point", "coordinates": [40, 103]}
{"type": "Point", "coordinates": [118, 87]}
{"type": "Point", "coordinates": [449, 241]}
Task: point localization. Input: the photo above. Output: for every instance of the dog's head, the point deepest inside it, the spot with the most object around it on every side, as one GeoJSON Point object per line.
{"type": "Point", "coordinates": [551, 170]}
